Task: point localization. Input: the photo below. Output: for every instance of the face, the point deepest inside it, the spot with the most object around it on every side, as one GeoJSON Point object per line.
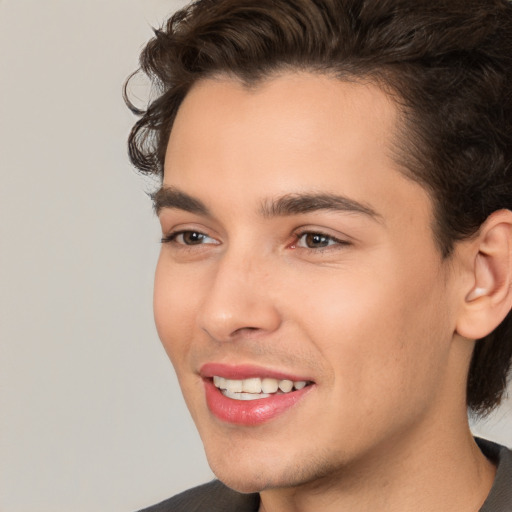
{"type": "Point", "coordinates": [299, 293]}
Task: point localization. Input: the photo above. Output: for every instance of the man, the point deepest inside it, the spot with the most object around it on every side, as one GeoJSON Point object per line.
{"type": "Point", "coordinates": [334, 283]}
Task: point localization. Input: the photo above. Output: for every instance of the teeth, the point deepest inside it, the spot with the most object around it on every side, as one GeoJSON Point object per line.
{"type": "Point", "coordinates": [254, 388]}
{"type": "Point", "coordinates": [219, 382]}
{"type": "Point", "coordinates": [234, 386]}
{"type": "Point", "coordinates": [252, 385]}
{"type": "Point", "coordinates": [269, 385]}
{"type": "Point", "coordinates": [244, 396]}
{"type": "Point", "coordinates": [286, 386]}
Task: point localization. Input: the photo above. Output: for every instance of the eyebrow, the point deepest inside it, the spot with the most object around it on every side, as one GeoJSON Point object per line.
{"type": "Point", "coordinates": [296, 204]}
{"type": "Point", "coordinates": [171, 197]}
{"type": "Point", "coordinates": [287, 205]}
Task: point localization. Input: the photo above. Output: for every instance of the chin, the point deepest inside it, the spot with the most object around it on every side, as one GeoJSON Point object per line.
{"type": "Point", "coordinates": [247, 474]}
{"type": "Point", "coordinates": [241, 472]}
{"type": "Point", "coordinates": [244, 484]}
{"type": "Point", "coordinates": [254, 481]}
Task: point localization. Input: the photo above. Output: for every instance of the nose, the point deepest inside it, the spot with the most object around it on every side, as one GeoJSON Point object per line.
{"type": "Point", "coordinates": [239, 300]}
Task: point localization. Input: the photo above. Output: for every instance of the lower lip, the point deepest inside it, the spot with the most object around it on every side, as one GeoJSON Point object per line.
{"type": "Point", "coordinates": [250, 412]}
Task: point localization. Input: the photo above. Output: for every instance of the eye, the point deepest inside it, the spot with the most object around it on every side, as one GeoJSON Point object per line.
{"type": "Point", "coordinates": [311, 240]}
{"type": "Point", "coordinates": [188, 238]}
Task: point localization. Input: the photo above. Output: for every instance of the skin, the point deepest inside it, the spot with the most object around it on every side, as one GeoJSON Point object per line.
{"type": "Point", "coordinates": [371, 318]}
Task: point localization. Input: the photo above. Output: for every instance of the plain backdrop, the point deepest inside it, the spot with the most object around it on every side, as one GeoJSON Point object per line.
{"type": "Point", "coordinates": [91, 417]}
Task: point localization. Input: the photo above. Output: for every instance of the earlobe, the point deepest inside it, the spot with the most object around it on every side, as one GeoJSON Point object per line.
{"type": "Point", "coordinates": [489, 298]}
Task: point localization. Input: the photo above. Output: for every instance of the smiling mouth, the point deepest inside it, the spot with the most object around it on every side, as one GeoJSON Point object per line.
{"type": "Point", "coordinates": [249, 396]}
{"type": "Point", "coordinates": [256, 388]}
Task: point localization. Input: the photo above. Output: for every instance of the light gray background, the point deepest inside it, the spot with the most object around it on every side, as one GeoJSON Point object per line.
{"type": "Point", "coordinates": [91, 418]}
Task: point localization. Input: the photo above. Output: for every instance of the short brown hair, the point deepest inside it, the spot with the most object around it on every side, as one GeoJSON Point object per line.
{"type": "Point", "coordinates": [446, 63]}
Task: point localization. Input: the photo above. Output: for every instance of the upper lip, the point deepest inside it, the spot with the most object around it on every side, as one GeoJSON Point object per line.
{"type": "Point", "coordinates": [245, 371]}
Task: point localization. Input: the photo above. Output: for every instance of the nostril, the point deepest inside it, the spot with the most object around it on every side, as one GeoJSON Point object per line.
{"type": "Point", "coordinates": [245, 330]}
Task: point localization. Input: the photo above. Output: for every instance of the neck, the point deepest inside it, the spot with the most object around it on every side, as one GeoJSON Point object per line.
{"type": "Point", "coordinates": [439, 470]}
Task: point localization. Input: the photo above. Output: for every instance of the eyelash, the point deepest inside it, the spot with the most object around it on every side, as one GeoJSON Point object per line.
{"type": "Point", "coordinates": [331, 240]}
{"type": "Point", "coordinates": [328, 238]}
{"type": "Point", "coordinates": [171, 238]}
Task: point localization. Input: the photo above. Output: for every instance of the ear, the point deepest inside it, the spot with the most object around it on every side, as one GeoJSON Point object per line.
{"type": "Point", "coordinates": [488, 296]}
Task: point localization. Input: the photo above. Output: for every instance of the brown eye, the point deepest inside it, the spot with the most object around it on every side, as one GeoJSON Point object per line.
{"type": "Point", "coordinates": [315, 241]}
{"type": "Point", "coordinates": [311, 240]}
{"type": "Point", "coordinates": [191, 238]}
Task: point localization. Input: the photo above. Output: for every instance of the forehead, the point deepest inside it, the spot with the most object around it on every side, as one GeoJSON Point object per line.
{"type": "Point", "coordinates": [293, 133]}
{"type": "Point", "coordinates": [295, 111]}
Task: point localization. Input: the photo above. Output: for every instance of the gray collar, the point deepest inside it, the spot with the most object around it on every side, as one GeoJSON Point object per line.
{"type": "Point", "coordinates": [500, 497]}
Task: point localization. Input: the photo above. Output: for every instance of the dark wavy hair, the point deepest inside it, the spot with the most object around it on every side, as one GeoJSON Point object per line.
{"type": "Point", "coordinates": [446, 63]}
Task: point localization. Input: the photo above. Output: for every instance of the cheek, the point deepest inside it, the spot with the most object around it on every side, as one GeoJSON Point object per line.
{"type": "Point", "coordinates": [382, 331]}
{"type": "Point", "coordinates": [174, 310]}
